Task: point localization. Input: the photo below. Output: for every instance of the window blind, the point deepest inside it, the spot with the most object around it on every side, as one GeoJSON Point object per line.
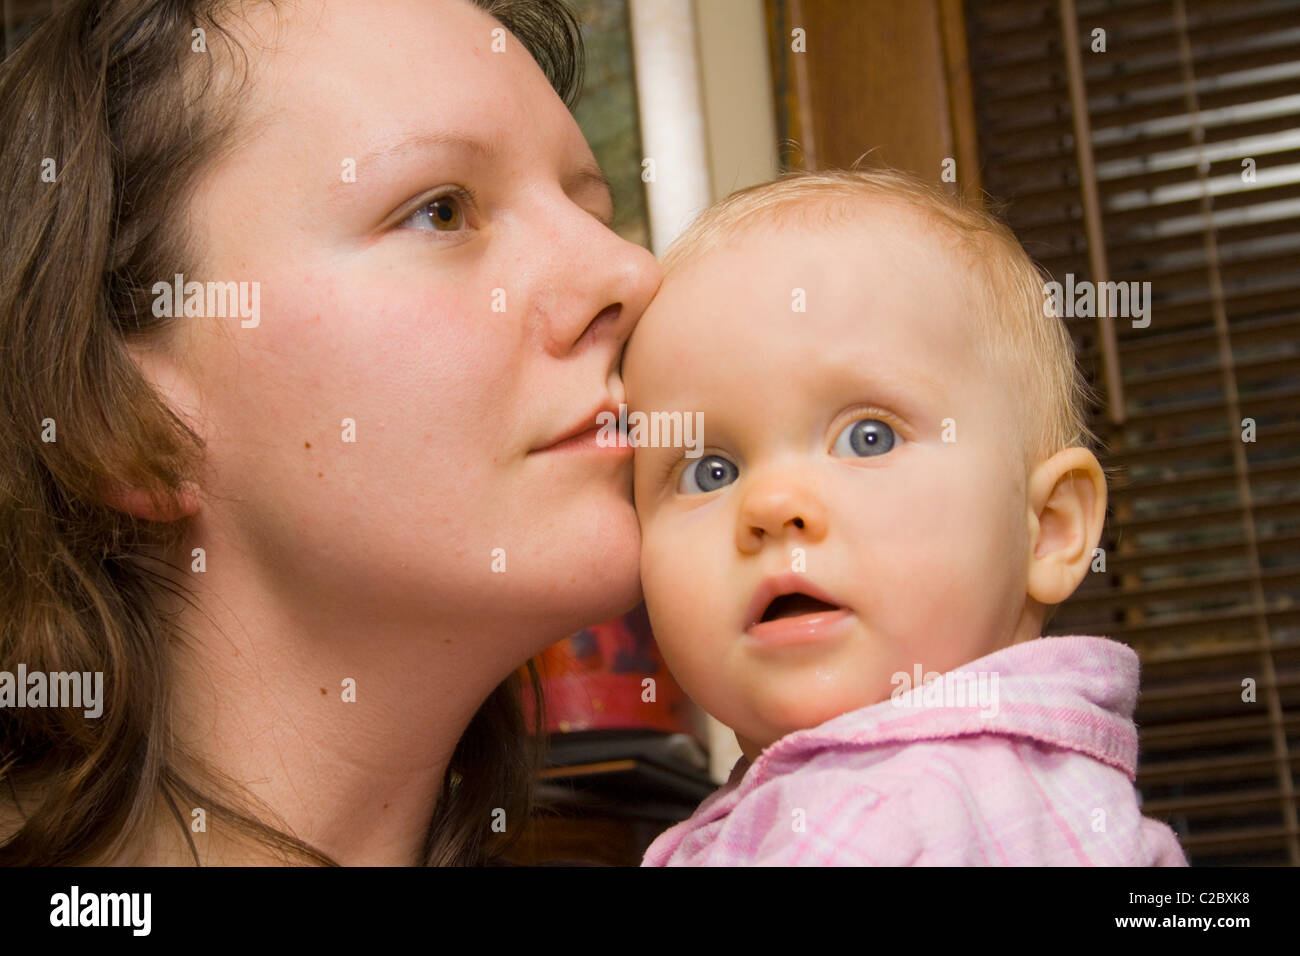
{"type": "Point", "coordinates": [1166, 149]}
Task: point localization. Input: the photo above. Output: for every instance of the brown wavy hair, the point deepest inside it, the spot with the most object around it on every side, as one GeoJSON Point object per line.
{"type": "Point", "coordinates": [109, 91]}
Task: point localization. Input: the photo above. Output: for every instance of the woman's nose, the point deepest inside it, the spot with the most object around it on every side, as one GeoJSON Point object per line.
{"type": "Point", "coordinates": [776, 509]}
{"type": "Point", "coordinates": [609, 283]}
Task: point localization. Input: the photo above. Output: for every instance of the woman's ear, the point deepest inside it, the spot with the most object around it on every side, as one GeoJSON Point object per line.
{"type": "Point", "coordinates": [1067, 507]}
{"type": "Point", "coordinates": [140, 504]}
{"type": "Point", "coordinates": [170, 379]}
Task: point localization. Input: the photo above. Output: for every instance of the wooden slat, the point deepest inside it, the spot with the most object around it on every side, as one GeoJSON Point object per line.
{"type": "Point", "coordinates": [1229, 730]}
{"type": "Point", "coordinates": [1049, 118]}
{"type": "Point", "coordinates": [1158, 702]}
{"type": "Point", "coordinates": [1222, 132]}
{"type": "Point", "coordinates": [1206, 769]}
{"type": "Point", "coordinates": [1193, 276]}
{"type": "Point", "coordinates": [1009, 158]}
{"type": "Point", "coordinates": [1189, 377]}
{"type": "Point", "coordinates": [1285, 509]}
{"type": "Point", "coordinates": [1200, 588]}
{"type": "Point", "coordinates": [1172, 450]}
{"type": "Point", "coordinates": [1037, 42]}
{"type": "Point", "coordinates": [1031, 89]}
{"type": "Point", "coordinates": [1050, 195]}
{"type": "Point", "coordinates": [1211, 412]}
{"type": "Point", "coordinates": [1191, 314]}
{"type": "Point", "coordinates": [1216, 60]}
{"type": "Point", "coordinates": [1128, 256]}
{"type": "Point", "coordinates": [1282, 545]}
{"type": "Point", "coordinates": [1178, 449]}
{"type": "Point", "coordinates": [1067, 216]}
{"type": "Point", "coordinates": [1233, 801]}
{"type": "Point", "coordinates": [1188, 309]}
{"type": "Point", "coordinates": [1233, 622]}
{"type": "Point", "coordinates": [1164, 659]}
{"type": "Point", "coordinates": [1236, 839]}
{"type": "Point", "coordinates": [1197, 484]}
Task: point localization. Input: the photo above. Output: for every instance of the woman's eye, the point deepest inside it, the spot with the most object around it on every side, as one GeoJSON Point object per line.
{"type": "Point", "coordinates": [865, 438]}
{"type": "Point", "coordinates": [708, 474]}
{"type": "Point", "coordinates": [444, 214]}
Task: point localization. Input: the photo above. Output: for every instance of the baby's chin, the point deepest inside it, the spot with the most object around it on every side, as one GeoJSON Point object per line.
{"type": "Point", "coordinates": [767, 721]}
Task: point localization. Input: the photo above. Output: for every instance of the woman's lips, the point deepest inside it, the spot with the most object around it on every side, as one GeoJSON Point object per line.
{"type": "Point", "coordinates": [584, 436]}
{"type": "Point", "coordinates": [587, 442]}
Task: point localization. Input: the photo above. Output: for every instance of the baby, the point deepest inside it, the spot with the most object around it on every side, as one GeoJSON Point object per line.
{"type": "Point", "coordinates": [893, 492]}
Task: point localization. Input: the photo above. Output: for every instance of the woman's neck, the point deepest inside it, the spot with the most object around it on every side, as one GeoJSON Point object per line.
{"type": "Point", "coordinates": [338, 717]}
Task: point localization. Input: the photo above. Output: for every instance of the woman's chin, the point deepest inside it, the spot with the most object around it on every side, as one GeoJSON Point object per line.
{"type": "Point", "coordinates": [609, 587]}
{"type": "Point", "coordinates": [623, 597]}
{"type": "Point", "coordinates": [566, 608]}
{"type": "Point", "coordinates": [590, 581]}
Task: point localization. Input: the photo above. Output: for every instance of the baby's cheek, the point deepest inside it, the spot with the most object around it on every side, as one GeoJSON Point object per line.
{"type": "Point", "coordinates": [681, 593]}
{"type": "Point", "coordinates": [904, 523]}
{"type": "Point", "coordinates": [663, 582]}
{"type": "Point", "coordinates": [929, 544]}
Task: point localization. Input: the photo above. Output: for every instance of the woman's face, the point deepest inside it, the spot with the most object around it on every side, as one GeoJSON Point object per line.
{"type": "Point", "coordinates": [428, 228]}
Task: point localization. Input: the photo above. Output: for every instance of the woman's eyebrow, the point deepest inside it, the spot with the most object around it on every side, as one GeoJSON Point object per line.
{"type": "Point", "coordinates": [437, 139]}
{"type": "Point", "coordinates": [589, 174]}
{"type": "Point", "coordinates": [423, 142]}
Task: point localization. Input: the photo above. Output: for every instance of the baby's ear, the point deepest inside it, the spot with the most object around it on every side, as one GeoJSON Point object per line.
{"type": "Point", "coordinates": [1067, 507]}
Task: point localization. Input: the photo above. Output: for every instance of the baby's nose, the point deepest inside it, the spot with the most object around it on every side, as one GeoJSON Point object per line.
{"type": "Point", "coordinates": [777, 510]}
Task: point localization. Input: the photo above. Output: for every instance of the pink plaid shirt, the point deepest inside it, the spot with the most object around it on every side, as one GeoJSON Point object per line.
{"type": "Point", "coordinates": [1043, 778]}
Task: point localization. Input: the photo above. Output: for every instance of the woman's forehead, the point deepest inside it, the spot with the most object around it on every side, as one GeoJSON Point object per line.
{"type": "Point", "coordinates": [371, 73]}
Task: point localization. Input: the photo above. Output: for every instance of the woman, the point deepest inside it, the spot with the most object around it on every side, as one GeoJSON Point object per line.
{"type": "Point", "coordinates": [308, 540]}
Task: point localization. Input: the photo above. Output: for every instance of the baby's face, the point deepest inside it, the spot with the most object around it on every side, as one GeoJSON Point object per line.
{"type": "Point", "coordinates": [857, 452]}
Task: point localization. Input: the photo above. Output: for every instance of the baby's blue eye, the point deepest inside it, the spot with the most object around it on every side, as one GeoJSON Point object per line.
{"type": "Point", "coordinates": [865, 438]}
{"type": "Point", "coordinates": [708, 474]}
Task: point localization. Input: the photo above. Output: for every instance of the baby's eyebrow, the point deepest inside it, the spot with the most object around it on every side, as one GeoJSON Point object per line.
{"type": "Point", "coordinates": [901, 387]}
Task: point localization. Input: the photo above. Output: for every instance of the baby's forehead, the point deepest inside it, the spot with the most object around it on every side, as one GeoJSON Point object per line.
{"type": "Point", "coordinates": [860, 267]}
{"type": "Point", "coordinates": [848, 234]}
{"type": "Point", "coordinates": [786, 287]}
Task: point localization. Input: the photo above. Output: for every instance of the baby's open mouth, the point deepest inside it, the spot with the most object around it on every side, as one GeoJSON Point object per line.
{"type": "Point", "coordinates": [795, 605]}
{"type": "Point", "coordinates": [789, 610]}
{"type": "Point", "coordinates": [789, 597]}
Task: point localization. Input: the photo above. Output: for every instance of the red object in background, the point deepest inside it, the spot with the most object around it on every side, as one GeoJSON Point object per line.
{"type": "Point", "coordinates": [594, 680]}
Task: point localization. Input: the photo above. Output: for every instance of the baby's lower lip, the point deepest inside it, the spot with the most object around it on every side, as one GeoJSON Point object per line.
{"type": "Point", "coordinates": [804, 629]}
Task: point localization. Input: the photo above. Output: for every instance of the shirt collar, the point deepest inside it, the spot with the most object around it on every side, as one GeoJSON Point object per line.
{"type": "Point", "coordinates": [1076, 693]}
